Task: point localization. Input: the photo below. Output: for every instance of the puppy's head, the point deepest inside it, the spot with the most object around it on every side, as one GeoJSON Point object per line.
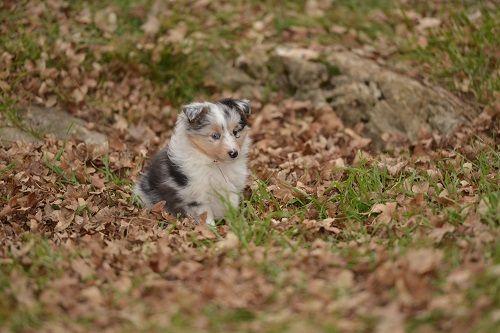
{"type": "Point", "coordinates": [218, 130]}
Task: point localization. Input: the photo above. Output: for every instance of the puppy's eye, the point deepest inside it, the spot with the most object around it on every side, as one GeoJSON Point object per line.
{"type": "Point", "coordinates": [215, 136]}
{"type": "Point", "coordinates": [236, 133]}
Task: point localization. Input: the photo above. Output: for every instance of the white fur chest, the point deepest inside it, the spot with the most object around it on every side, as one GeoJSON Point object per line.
{"type": "Point", "coordinates": [211, 185]}
{"type": "Point", "coordinates": [213, 182]}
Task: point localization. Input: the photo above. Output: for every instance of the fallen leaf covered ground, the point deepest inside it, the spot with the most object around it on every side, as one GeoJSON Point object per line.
{"type": "Point", "coordinates": [331, 235]}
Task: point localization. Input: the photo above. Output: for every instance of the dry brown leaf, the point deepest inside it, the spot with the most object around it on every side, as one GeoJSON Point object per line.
{"type": "Point", "coordinates": [64, 218]}
{"type": "Point", "coordinates": [178, 33]}
{"type": "Point", "coordinates": [202, 219]}
{"type": "Point", "coordinates": [106, 20]}
{"type": "Point", "coordinates": [396, 168]}
{"type": "Point", "coordinates": [83, 270]}
{"type": "Point", "coordinates": [444, 198]}
{"type": "Point", "coordinates": [158, 207]}
{"type": "Point", "coordinates": [428, 23]}
{"type": "Point", "coordinates": [92, 295]}
{"type": "Point", "coordinates": [204, 231]}
{"type": "Point", "coordinates": [422, 187]}
{"type": "Point", "coordinates": [97, 181]}
{"type": "Point", "coordinates": [421, 261]}
{"type": "Point", "coordinates": [229, 243]}
{"type": "Point", "coordinates": [437, 234]}
{"type": "Point", "coordinates": [327, 224]}
{"type": "Point", "coordinates": [151, 26]}
{"type": "Point", "coordinates": [6, 210]}
{"type": "Point", "coordinates": [386, 211]}
{"type": "Point", "coordinates": [391, 319]}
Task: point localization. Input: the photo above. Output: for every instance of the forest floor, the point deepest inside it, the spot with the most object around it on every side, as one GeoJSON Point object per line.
{"type": "Point", "coordinates": [332, 236]}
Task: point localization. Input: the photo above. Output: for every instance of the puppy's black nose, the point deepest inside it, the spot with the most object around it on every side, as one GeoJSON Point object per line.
{"type": "Point", "coordinates": [233, 153]}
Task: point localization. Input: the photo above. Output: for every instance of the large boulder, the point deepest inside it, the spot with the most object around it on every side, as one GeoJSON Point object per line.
{"type": "Point", "coordinates": [388, 102]}
{"type": "Point", "coordinates": [359, 91]}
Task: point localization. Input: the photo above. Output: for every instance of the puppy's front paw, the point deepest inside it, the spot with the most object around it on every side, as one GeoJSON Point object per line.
{"type": "Point", "coordinates": [206, 217]}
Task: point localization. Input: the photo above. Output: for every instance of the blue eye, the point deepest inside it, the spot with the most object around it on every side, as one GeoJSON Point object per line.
{"type": "Point", "coordinates": [215, 136]}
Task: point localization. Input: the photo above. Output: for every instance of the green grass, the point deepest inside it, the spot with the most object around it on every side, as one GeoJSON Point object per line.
{"type": "Point", "coordinates": [111, 175]}
{"type": "Point", "coordinates": [222, 318]}
{"type": "Point", "coordinates": [357, 14]}
{"type": "Point", "coordinates": [487, 286]}
{"type": "Point", "coordinates": [488, 180]}
{"type": "Point", "coordinates": [364, 185]}
{"type": "Point", "coordinates": [4, 171]}
{"type": "Point", "coordinates": [359, 191]}
{"type": "Point", "coordinates": [54, 165]}
{"type": "Point", "coordinates": [246, 222]}
{"type": "Point", "coordinates": [39, 266]}
{"type": "Point", "coordinates": [182, 74]}
{"type": "Point", "coordinates": [464, 50]}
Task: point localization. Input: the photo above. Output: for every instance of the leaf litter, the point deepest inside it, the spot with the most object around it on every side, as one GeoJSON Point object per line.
{"type": "Point", "coordinates": [330, 232]}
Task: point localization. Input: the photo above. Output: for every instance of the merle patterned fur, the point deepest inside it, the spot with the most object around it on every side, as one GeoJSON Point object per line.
{"type": "Point", "coordinates": [155, 183]}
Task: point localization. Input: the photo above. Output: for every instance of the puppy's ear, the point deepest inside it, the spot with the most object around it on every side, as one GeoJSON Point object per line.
{"type": "Point", "coordinates": [195, 113]}
{"type": "Point", "coordinates": [244, 106]}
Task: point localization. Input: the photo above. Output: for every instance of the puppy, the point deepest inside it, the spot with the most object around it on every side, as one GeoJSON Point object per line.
{"type": "Point", "coordinates": [204, 167]}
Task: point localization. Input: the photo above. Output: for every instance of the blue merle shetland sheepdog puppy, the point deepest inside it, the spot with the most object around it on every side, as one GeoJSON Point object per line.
{"type": "Point", "coordinates": [204, 167]}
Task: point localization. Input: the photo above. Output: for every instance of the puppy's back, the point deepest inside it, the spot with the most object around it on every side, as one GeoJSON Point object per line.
{"type": "Point", "coordinates": [161, 181]}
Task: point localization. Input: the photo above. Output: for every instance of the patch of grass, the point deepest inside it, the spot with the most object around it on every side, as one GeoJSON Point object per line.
{"type": "Point", "coordinates": [126, 22]}
{"type": "Point", "coordinates": [44, 261]}
{"type": "Point", "coordinates": [54, 164]}
{"type": "Point", "coordinates": [39, 265]}
{"type": "Point", "coordinates": [61, 174]}
{"type": "Point", "coordinates": [284, 23]}
{"type": "Point", "coordinates": [361, 188]}
{"type": "Point", "coordinates": [427, 320]}
{"type": "Point", "coordinates": [488, 180]}
{"type": "Point", "coordinates": [5, 170]}
{"type": "Point", "coordinates": [23, 46]}
{"type": "Point", "coordinates": [251, 225]}
{"type": "Point", "coordinates": [248, 226]}
{"type": "Point", "coordinates": [463, 52]}
{"type": "Point", "coordinates": [358, 14]}
{"type": "Point", "coordinates": [487, 289]}
{"type": "Point", "coordinates": [182, 74]}
{"type": "Point", "coordinates": [220, 318]}
{"type": "Point", "coordinates": [112, 176]}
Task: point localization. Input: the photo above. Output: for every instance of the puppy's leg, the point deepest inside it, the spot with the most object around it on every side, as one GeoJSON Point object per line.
{"type": "Point", "coordinates": [200, 211]}
{"type": "Point", "coordinates": [234, 200]}
{"type": "Point", "coordinates": [209, 220]}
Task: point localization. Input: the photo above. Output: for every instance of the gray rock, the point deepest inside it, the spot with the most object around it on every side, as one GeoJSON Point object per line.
{"type": "Point", "coordinates": [9, 135]}
{"type": "Point", "coordinates": [53, 121]}
{"type": "Point", "coordinates": [360, 91]}
{"type": "Point", "coordinates": [227, 76]}
{"type": "Point", "coordinates": [303, 74]}
{"type": "Point", "coordinates": [390, 102]}
{"type": "Point", "coordinates": [62, 125]}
